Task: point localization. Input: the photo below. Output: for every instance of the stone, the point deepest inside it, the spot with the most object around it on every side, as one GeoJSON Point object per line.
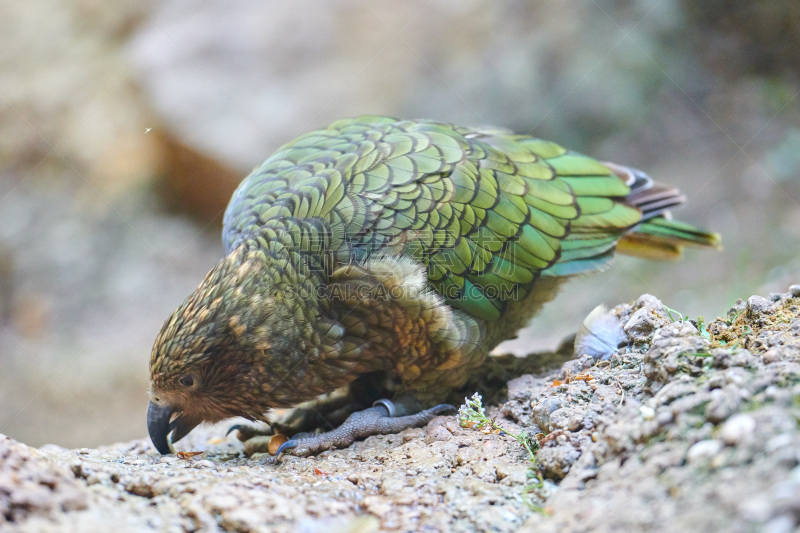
{"type": "Point", "coordinates": [757, 306]}
{"type": "Point", "coordinates": [703, 450]}
{"type": "Point", "coordinates": [737, 429]}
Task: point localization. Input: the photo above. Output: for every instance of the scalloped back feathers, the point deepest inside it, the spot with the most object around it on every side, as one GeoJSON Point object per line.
{"type": "Point", "coordinates": [486, 212]}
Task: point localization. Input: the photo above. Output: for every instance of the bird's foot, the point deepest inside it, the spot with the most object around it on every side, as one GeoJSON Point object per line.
{"type": "Point", "coordinates": [379, 419]}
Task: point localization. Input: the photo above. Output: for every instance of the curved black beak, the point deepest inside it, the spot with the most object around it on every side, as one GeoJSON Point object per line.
{"type": "Point", "coordinates": [163, 420]}
{"type": "Point", "coordinates": [159, 427]}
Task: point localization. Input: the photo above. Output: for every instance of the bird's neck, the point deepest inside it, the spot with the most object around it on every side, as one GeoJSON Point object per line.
{"type": "Point", "coordinates": [284, 312]}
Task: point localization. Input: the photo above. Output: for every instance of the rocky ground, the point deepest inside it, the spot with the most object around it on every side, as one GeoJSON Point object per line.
{"type": "Point", "coordinates": [691, 426]}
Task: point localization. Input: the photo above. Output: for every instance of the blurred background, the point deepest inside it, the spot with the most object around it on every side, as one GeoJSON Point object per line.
{"type": "Point", "coordinates": [125, 126]}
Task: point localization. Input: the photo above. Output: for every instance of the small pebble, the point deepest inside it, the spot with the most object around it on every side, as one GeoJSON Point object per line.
{"type": "Point", "coordinates": [716, 381]}
{"type": "Point", "coordinates": [648, 413]}
{"type": "Point", "coordinates": [222, 502]}
{"type": "Point", "coordinates": [141, 486]}
{"type": "Point", "coordinates": [773, 355]}
{"type": "Point", "coordinates": [737, 428]}
{"type": "Point", "coordinates": [757, 306]}
{"type": "Point", "coordinates": [408, 436]}
{"type": "Point", "coordinates": [99, 477]}
{"type": "Point", "coordinates": [641, 325]}
{"type": "Point", "coordinates": [703, 450]}
{"type": "Point", "coordinates": [665, 416]}
{"type": "Point", "coordinates": [777, 442]}
{"type": "Point", "coordinates": [437, 433]}
{"type": "Point", "coordinates": [795, 290]}
{"type": "Point", "coordinates": [242, 519]}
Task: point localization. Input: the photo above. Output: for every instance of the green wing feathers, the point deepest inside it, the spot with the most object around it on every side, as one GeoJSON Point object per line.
{"type": "Point", "coordinates": [484, 211]}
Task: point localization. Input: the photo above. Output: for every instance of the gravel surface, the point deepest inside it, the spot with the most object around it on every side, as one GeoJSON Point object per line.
{"type": "Point", "coordinates": [690, 426]}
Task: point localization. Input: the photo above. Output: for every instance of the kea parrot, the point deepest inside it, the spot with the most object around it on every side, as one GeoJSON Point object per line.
{"type": "Point", "coordinates": [385, 257]}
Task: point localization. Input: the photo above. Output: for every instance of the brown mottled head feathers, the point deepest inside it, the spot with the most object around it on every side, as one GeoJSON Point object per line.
{"type": "Point", "coordinates": [247, 340]}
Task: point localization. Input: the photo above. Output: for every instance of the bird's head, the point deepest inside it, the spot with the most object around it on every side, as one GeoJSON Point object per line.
{"type": "Point", "coordinates": [217, 356]}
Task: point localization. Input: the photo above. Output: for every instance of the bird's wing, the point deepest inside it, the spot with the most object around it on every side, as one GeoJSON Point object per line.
{"type": "Point", "coordinates": [485, 211]}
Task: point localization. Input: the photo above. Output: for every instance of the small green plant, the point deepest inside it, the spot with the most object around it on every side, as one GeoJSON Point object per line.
{"type": "Point", "coordinates": [472, 415]}
{"type": "Point", "coordinates": [681, 318]}
{"type": "Point", "coordinates": [732, 317]}
{"type": "Point", "coordinates": [701, 327]}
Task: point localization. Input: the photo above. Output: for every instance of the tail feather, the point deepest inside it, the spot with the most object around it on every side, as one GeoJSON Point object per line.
{"type": "Point", "coordinates": [640, 224]}
{"type": "Point", "coordinates": [662, 239]}
{"type": "Point", "coordinates": [650, 197]}
{"type": "Point", "coordinates": [656, 200]}
{"type": "Point", "coordinates": [657, 236]}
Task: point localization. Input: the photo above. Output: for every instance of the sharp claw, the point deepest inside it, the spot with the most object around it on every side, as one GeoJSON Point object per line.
{"type": "Point", "coordinates": [441, 409]}
{"type": "Point", "coordinates": [247, 431]}
{"type": "Point", "coordinates": [288, 445]}
{"type": "Point", "coordinates": [236, 427]}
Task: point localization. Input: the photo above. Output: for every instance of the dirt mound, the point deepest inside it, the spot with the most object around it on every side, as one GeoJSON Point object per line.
{"type": "Point", "coordinates": [688, 426]}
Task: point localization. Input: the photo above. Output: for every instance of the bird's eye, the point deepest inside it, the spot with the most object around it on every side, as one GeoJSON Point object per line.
{"type": "Point", "coordinates": [187, 381]}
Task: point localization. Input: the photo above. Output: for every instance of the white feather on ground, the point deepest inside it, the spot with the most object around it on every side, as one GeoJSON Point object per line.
{"type": "Point", "coordinates": [600, 334]}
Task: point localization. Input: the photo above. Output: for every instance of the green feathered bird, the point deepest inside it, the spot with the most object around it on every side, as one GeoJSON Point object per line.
{"type": "Point", "coordinates": [391, 249]}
